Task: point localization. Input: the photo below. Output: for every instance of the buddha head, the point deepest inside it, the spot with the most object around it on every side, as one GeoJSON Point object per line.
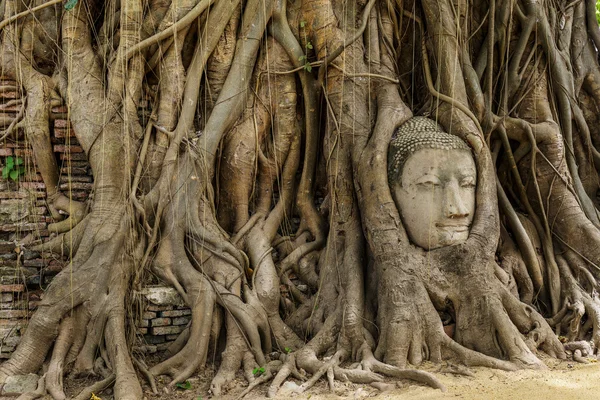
{"type": "Point", "coordinates": [432, 177]}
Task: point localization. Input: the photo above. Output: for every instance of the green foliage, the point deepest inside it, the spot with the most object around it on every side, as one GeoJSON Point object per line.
{"type": "Point", "coordinates": [598, 11]}
{"type": "Point", "coordinates": [70, 4]}
{"type": "Point", "coordinates": [309, 46]}
{"type": "Point", "coordinates": [13, 168]}
{"type": "Point", "coordinates": [258, 371]}
{"type": "Point", "coordinates": [185, 385]}
{"type": "Point", "coordinates": [288, 350]}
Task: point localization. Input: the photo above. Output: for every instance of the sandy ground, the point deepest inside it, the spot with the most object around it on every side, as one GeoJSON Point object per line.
{"type": "Point", "coordinates": [564, 380]}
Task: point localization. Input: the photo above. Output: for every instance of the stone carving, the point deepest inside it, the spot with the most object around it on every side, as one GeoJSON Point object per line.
{"type": "Point", "coordinates": [432, 178]}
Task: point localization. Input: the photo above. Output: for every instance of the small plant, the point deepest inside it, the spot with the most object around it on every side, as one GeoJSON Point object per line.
{"type": "Point", "coordinates": [288, 350]}
{"type": "Point", "coordinates": [308, 46]}
{"type": "Point", "coordinates": [258, 371]}
{"type": "Point", "coordinates": [70, 4]}
{"type": "Point", "coordinates": [185, 385]}
{"type": "Point", "coordinates": [13, 168]}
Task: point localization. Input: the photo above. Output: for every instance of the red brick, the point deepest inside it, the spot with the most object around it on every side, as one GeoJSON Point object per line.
{"type": "Point", "coordinates": [160, 321]}
{"type": "Point", "coordinates": [6, 152]}
{"type": "Point", "coordinates": [175, 313]}
{"type": "Point", "coordinates": [24, 152]}
{"type": "Point", "coordinates": [166, 330]}
{"type": "Point", "coordinates": [11, 288]}
{"type": "Point", "coordinates": [61, 123]}
{"type": "Point", "coordinates": [63, 148]}
{"type": "Point", "coordinates": [148, 315]}
{"type": "Point", "coordinates": [142, 331]}
{"type": "Point", "coordinates": [60, 109]}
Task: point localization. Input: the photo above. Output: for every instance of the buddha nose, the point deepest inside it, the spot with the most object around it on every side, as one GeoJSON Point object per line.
{"type": "Point", "coordinates": [454, 204]}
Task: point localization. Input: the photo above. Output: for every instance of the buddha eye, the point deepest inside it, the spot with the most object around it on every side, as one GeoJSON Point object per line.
{"type": "Point", "coordinates": [429, 183]}
{"type": "Point", "coordinates": [468, 183]}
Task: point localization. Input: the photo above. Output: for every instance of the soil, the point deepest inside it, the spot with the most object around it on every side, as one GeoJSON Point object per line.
{"type": "Point", "coordinates": [564, 380]}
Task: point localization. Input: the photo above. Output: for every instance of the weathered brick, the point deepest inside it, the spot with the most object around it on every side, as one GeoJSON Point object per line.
{"type": "Point", "coordinates": [33, 185]}
{"type": "Point", "coordinates": [76, 186]}
{"type": "Point", "coordinates": [170, 338]}
{"type": "Point", "coordinates": [163, 346]}
{"type": "Point", "coordinates": [144, 323]}
{"type": "Point", "coordinates": [6, 297]}
{"type": "Point", "coordinates": [37, 263]}
{"type": "Point", "coordinates": [11, 288]}
{"type": "Point", "coordinates": [149, 315]}
{"type": "Point", "coordinates": [60, 109]}
{"type": "Point", "coordinates": [13, 305]}
{"type": "Point", "coordinates": [154, 307]}
{"type": "Point", "coordinates": [166, 330]}
{"type": "Point", "coordinates": [22, 227]}
{"type": "Point", "coordinates": [142, 331]}
{"type": "Point", "coordinates": [76, 178]}
{"type": "Point", "coordinates": [62, 148]}
{"type": "Point", "coordinates": [160, 322]}
{"type": "Point", "coordinates": [6, 152]}
{"type": "Point", "coordinates": [175, 313]}
{"type": "Point", "coordinates": [74, 170]}
{"type": "Point", "coordinates": [63, 132]}
{"type": "Point", "coordinates": [181, 320]}
{"type": "Point", "coordinates": [8, 314]}
{"type": "Point", "coordinates": [73, 156]}
{"type": "Point", "coordinates": [153, 339]}
{"type": "Point", "coordinates": [13, 195]}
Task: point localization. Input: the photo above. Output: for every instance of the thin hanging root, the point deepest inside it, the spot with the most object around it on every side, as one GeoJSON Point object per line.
{"type": "Point", "coordinates": [96, 388]}
{"type": "Point", "coordinates": [149, 377]}
{"type": "Point", "coordinates": [37, 393]}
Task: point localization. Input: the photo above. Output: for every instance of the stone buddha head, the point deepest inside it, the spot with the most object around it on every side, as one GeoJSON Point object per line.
{"type": "Point", "coordinates": [432, 177]}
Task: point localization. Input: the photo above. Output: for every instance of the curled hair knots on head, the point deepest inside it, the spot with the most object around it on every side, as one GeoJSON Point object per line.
{"type": "Point", "coordinates": [415, 134]}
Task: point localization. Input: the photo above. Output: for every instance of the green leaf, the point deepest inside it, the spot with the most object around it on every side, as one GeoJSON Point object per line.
{"type": "Point", "coordinates": [185, 386]}
{"type": "Point", "coordinates": [21, 170]}
{"type": "Point", "coordinates": [14, 175]}
{"type": "Point", "coordinates": [5, 172]}
{"type": "Point", "coordinates": [10, 162]}
{"type": "Point", "coordinates": [199, 398]}
{"type": "Point", "coordinates": [302, 23]}
{"type": "Point", "coordinates": [70, 4]}
{"type": "Point", "coordinates": [308, 67]}
{"type": "Point", "coordinates": [309, 45]}
{"type": "Point", "coordinates": [288, 350]}
{"type": "Point", "coordinates": [19, 161]}
{"type": "Point", "coordinates": [301, 58]}
{"type": "Point", "coordinates": [258, 371]}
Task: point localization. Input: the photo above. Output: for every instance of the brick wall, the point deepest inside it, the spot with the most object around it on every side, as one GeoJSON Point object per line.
{"type": "Point", "coordinates": [24, 217]}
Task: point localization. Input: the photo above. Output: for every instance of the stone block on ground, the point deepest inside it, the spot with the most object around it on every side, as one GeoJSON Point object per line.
{"type": "Point", "coordinates": [19, 384]}
{"type": "Point", "coordinates": [162, 296]}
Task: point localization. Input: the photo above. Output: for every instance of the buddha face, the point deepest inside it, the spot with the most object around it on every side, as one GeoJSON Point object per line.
{"type": "Point", "coordinates": [436, 196]}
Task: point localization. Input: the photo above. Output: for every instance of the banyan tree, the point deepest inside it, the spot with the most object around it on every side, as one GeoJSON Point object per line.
{"type": "Point", "coordinates": [327, 184]}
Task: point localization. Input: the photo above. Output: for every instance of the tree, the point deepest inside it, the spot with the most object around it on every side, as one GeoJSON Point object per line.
{"type": "Point", "coordinates": [263, 150]}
